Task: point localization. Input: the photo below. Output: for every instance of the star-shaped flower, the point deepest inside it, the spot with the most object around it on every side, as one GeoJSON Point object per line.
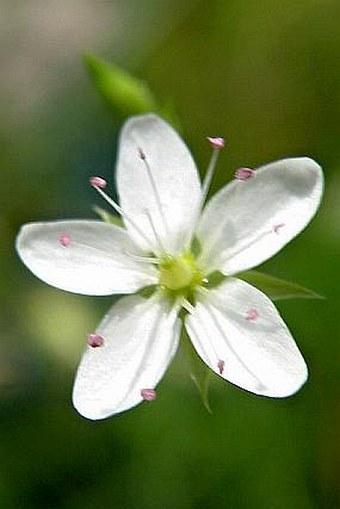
{"type": "Point", "coordinates": [173, 245]}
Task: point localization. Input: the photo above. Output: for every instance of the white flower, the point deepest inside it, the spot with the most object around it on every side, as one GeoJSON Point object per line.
{"type": "Point", "coordinates": [171, 245]}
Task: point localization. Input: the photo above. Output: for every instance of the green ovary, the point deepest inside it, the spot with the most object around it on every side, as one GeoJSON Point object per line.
{"type": "Point", "coordinates": [180, 275]}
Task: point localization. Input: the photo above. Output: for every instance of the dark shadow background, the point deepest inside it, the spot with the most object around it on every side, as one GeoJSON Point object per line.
{"type": "Point", "coordinates": [266, 75]}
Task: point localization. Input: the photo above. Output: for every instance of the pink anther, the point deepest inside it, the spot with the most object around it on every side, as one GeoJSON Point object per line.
{"type": "Point", "coordinates": [141, 154]}
{"type": "Point", "coordinates": [148, 394]}
{"type": "Point", "coordinates": [216, 142]}
{"type": "Point", "coordinates": [220, 366]}
{"type": "Point", "coordinates": [98, 182]}
{"type": "Point", "coordinates": [244, 174]}
{"type": "Point", "coordinates": [277, 227]}
{"type": "Point", "coordinates": [64, 239]}
{"type": "Point", "coordinates": [95, 340]}
{"type": "Point", "coordinates": [252, 314]}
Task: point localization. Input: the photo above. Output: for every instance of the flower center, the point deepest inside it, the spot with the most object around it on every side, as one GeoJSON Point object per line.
{"type": "Point", "coordinates": [180, 274]}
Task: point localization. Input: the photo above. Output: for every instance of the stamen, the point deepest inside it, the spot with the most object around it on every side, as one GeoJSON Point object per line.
{"type": "Point", "coordinates": [143, 259]}
{"type": "Point", "coordinates": [250, 243]}
{"type": "Point", "coordinates": [141, 154]}
{"type": "Point", "coordinates": [109, 200]}
{"type": "Point", "coordinates": [252, 314]}
{"type": "Point", "coordinates": [143, 157]}
{"type": "Point", "coordinates": [187, 306]}
{"type": "Point", "coordinates": [148, 394]}
{"type": "Point", "coordinates": [95, 340]}
{"type": "Point", "coordinates": [244, 174]}
{"type": "Point", "coordinates": [98, 182]}
{"type": "Point", "coordinates": [220, 366]}
{"type": "Point", "coordinates": [64, 239]}
{"type": "Point", "coordinates": [120, 211]}
{"type": "Point", "coordinates": [217, 144]}
{"type": "Point", "coordinates": [157, 237]}
{"type": "Point", "coordinates": [221, 331]}
{"type": "Point", "coordinates": [277, 227]}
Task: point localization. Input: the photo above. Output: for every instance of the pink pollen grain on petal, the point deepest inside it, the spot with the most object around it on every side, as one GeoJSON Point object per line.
{"type": "Point", "coordinates": [244, 174]}
{"type": "Point", "coordinates": [95, 340]}
{"type": "Point", "coordinates": [216, 142]}
{"type": "Point", "coordinates": [64, 239]}
{"type": "Point", "coordinates": [98, 182]}
{"type": "Point", "coordinates": [277, 227]}
{"type": "Point", "coordinates": [220, 366]}
{"type": "Point", "coordinates": [148, 394]}
{"type": "Point", "coordinates": [252, 314]}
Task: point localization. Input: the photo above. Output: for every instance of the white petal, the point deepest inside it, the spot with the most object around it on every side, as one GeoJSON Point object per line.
{"type": "Point", "coordinates": [237, 326]}
{"type": "Point", "coordinates": [176, 180]}
{"type": "Point", "coordinates": [249, 221]}
{"type": "Point", "coordinates": [96, 260]}
{"type": "Point", "coordinates": [140, 339]}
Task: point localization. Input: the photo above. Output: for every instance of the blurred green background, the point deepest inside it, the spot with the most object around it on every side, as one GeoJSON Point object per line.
{"type": "Point", "coordinates": [264, 74]}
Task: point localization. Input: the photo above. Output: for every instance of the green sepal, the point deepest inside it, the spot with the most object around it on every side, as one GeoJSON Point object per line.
{"type": "Point", "coordinates": [200, 374]}
{"type": "Point", "coordinates": [276, 288]}
{"type": "Point", "coordinates": [107, 217]}
{"type": "Point", "coordinates": [214, 279]}
{"type": "Point", "coordinates": [123, 93]}
{"type": "Point", "coordinates": [148, 291]}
